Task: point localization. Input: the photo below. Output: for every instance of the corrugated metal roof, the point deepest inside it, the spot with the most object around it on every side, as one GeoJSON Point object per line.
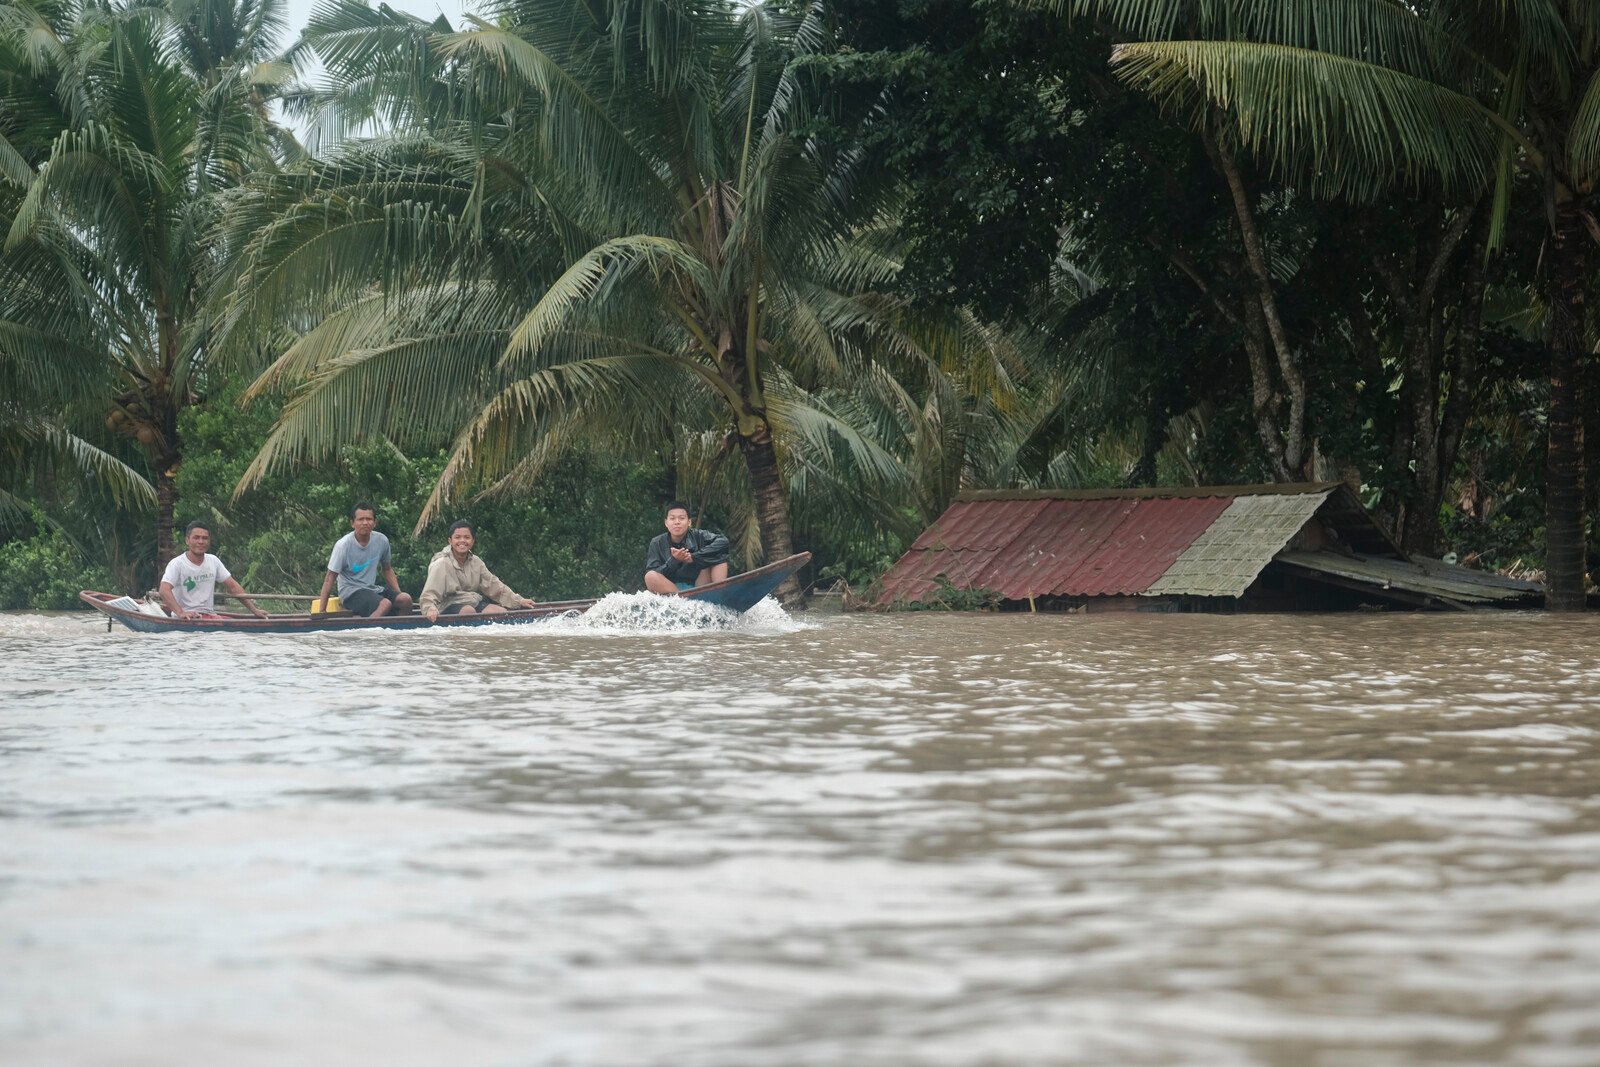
{"type": "Point", "coordinates": [1226, 558]}
{"type": "Point", "coordinates": [1158, 492]}
{"type": "Point", "coordinates": [1047, 550]}
{"type": "Point", "coordinates": [1155, 535]}
{"type": "Point", "coordinates": [1105, 547]}
{"type": "Point", "coordinates": [1197, 541]}
{"type": "Point", "coordinates": [972, 525]}
{"type": "Point", "coordinates": [960, 544]}
{"type": "Point", "coordinates": [1425, 577]}
{"type": "Point", "coordinates": [916, 576]}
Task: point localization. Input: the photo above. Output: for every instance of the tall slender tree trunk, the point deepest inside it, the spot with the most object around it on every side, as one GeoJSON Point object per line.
{"type": "Point", "coordinates": [1249, 318]}
{"type": "Point", "coordinates": [1566, 275]}
{"type": "Point", "coordinates": [1465, 374]}
{"type": "Point", "coordinates": [166, 507]}
{"type": "Point", "coordinates": [772, 510]}
{"type": "Point", "coordinates": [165, 452]}
{"type": "Point", "coordinates": [741, 370]}
{"type": "Point", "coordinates": [1434, 289]}
{"type": "Point", "coordinates": [1423, 358]}
{"type": "Point", "coordinates": [1265, 402]}
{"type": "Point", "coordinates": [1293, 454]}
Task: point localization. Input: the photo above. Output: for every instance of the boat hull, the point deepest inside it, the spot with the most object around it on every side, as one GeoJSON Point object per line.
{"type": "Point", "coordinates": [739, 593]}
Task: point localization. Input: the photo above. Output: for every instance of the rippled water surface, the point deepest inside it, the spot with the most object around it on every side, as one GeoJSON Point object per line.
{"type": "Point", "coordinates": [826, 840]}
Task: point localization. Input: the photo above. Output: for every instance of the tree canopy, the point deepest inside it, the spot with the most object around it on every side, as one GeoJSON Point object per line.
{"type": "Point", "coordinates": [816, 267]}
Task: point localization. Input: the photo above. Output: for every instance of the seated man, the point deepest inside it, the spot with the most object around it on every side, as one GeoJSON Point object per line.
{"type": "Point", "coordinates": [684, 556]}
{"type": "Point", "coordinates": [189, 584]}
{"type": "Point", "coordinates": [459, 583]}
{"type": "Point", "coordinates": [356, 560]}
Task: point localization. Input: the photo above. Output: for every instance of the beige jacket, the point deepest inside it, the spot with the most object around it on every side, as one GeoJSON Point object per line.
{"type": "Point", "coordinates": [450, 583]}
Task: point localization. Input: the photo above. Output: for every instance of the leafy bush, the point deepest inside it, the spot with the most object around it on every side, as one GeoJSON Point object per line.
{"type": "Point", "coordinates": [45, 572]}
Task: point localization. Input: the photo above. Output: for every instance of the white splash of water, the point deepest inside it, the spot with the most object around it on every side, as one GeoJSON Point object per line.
{"type": "Point", "coordinates": [62, 622]}
{"type": "Point", "coordinates": [646, 613]}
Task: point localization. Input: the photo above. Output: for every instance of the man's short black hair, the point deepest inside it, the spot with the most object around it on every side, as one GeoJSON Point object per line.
{"type": "Point", "coordinates": [198, 524]}
{"type": "Point", "coordinates": [677, 505]}
{"type": "Point", "coordinates": [462, 524]}
{"type": "Point", "coordinates": [362, 505]}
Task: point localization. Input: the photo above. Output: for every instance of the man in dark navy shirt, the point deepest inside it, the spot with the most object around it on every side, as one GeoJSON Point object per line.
{"type": "Point", "coordinates": [684, 556]}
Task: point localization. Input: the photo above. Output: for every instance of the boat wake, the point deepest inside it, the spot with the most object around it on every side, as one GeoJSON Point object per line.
{"type": "Point", "coordinates": [646, 613]}
{"type": "Point", "coordinates": [45, 624]}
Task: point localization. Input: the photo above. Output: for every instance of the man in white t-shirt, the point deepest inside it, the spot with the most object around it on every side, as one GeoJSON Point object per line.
{"type": "Point", "coordinates": [189, 586]}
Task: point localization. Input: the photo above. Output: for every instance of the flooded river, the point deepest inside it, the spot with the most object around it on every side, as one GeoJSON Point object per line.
{"type": "Point", "coordinates": [833, 841]}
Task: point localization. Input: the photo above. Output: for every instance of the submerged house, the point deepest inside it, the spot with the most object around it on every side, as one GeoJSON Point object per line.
{"type": "Point", "coordinates": [1303, 546]}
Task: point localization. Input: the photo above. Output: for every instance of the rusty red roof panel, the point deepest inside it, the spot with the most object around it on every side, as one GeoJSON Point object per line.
{"type": "Point", "coordinates": [917, 574]}
{"type": "Point", "coordinates": [1139, 550]}
{"type": "Point", "coordinates": [959, 565]}
{"type": "Point", "coordinates": [959, 546]}
{"type": "Point", "coordinates": [1052, 547]}
{"type": "Point", "coordinates": [978, 524]}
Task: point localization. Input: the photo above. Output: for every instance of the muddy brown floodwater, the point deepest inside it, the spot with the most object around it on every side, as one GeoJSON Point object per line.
{"type": "Point", "coordinates": [633, 839]}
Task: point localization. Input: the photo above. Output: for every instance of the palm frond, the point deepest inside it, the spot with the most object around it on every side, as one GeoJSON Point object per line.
{"type": "Point", "coordinates": [104, 183]}
{"type": "Point", "coordinates": [13, 167]}
{"type": "Point", "coordinates": [1404, 37]}
{"type": "Point", "coordinates": [511, 426]}
{"type": "Point", "coordinates": [614, 259]}
{"type": "Point", "coordinates": [1583, 137]}
{"type": "Point", "coordinates": [576, 129]}
{"type": "Point", "coordinates": [1349, 123]}
{"type": "Point", "coordinates": [388, 390]}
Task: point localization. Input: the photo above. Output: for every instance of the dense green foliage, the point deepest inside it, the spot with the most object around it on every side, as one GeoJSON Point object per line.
{"type": "Point", "coordinates": [581, 532]}
{"type": "Point", "coordinates": [46, 570]}
{"type": "Point", "coordinates": [815, 267]}
{"type": "Point", "coordinates": [123, 129]}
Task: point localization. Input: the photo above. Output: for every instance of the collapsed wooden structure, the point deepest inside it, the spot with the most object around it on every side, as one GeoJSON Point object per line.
{"type": "Point", "coordinates": [1305, 546]}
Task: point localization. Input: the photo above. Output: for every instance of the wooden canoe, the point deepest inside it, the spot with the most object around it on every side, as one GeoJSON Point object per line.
{"type": "Point", "coordinates": [739, 593]}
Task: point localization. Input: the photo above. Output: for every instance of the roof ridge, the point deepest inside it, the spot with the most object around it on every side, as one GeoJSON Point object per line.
{"type": "Point", "coordinates": [1151, 492]}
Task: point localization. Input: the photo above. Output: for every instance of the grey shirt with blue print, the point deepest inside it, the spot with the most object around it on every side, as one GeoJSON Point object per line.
{"type": "Point", "coordinates": [359, 566]}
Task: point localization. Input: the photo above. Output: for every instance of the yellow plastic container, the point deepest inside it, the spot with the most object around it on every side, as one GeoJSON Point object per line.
{"type": "Point", "coordinates": [333, 605]}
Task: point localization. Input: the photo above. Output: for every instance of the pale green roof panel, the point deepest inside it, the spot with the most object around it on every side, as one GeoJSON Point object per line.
{"type": "Point", "coordinates": [1226, 558]}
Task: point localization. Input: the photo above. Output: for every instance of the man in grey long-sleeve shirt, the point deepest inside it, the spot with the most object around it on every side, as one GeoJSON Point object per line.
{"type": "Point", "coordinates": [684, 557]}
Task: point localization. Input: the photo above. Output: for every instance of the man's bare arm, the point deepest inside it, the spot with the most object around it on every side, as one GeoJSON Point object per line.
{"type": "Point", "coordinates": [232, 585]}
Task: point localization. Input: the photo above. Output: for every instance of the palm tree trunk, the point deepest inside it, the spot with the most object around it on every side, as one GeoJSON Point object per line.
{"type": "Point", "coordinates": [165, 452]}
{"type": "Point", "coordinates": [166, 507]}
{"type": "Point", "coordinates": [1563, 501]}
{"type": "Point", "coordinates": [772, 510]}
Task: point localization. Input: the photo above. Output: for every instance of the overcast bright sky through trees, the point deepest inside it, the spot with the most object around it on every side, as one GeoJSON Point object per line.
{"type": "Point", "coordinates": [300, 11]}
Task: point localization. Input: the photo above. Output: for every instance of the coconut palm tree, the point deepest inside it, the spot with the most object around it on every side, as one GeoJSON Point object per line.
{"type": "Point", "coordinates": [1365, 95]}
{"type": "Point", "coordinates": [594, 220]}
{"type": "Point", "coordinates": [50, 379]}
{"type": "Point", "coordinates": [123, 126]}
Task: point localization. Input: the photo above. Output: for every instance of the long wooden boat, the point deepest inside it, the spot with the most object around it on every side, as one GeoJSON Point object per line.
{"type": "Point", "coordinates": [739, 593]}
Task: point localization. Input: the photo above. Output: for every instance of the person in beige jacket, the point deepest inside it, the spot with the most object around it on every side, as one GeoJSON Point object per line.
{"type": "Point", "coordinates": [459, 583]}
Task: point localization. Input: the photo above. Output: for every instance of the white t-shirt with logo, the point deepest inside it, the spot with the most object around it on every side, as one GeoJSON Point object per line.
{"type": "Point", "coordinates": [194, 585]}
